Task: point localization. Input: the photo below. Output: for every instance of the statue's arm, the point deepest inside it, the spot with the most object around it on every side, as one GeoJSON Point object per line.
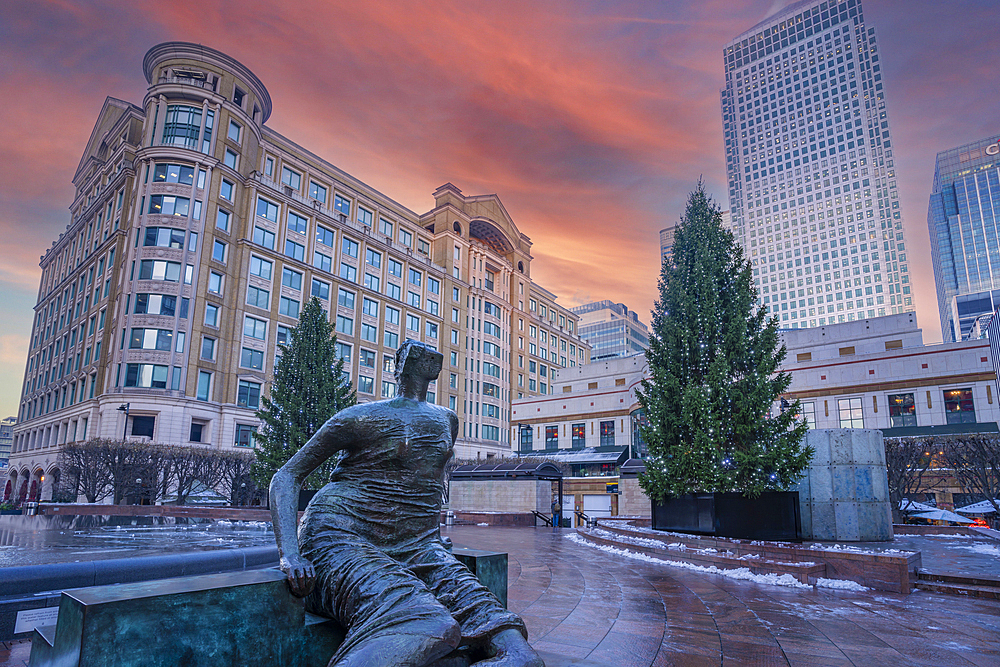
{"type": "Point", "coordinates": [284, 499]}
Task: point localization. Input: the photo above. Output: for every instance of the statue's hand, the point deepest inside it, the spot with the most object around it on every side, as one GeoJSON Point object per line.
{"type": "Point", "coordinates": [300, 573]}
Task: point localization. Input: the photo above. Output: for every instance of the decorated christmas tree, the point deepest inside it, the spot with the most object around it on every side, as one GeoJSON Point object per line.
{"type": "Point", "coordinates": [309, 387]}
{"type": "Point", "coordinates": [711, 420]}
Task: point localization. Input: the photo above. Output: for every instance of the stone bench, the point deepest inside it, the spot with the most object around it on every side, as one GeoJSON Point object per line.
{"type": "Point", "coordinates": [236, 618]}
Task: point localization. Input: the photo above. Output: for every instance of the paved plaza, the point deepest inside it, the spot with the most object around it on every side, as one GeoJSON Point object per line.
{"type": "Point", "coordinates": [586, 608]}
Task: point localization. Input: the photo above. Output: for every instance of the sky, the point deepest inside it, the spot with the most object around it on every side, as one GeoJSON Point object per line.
{"type": "Point", "coordinates": [591, 120]}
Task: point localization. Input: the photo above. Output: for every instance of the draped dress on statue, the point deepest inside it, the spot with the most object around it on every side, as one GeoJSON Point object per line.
{"type": "Point", "coordinates": [373, 532]}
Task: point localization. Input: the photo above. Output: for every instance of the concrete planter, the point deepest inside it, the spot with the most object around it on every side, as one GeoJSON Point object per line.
{"type": "Point", "coordinates": [770, 516]}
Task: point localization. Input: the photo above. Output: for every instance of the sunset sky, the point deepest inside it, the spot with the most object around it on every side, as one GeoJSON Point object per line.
{"type": "Point", "coordinates": [590, 120]}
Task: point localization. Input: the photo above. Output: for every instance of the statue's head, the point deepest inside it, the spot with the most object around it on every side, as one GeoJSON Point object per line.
{"type": "Point", "coordinates": [414, 358]}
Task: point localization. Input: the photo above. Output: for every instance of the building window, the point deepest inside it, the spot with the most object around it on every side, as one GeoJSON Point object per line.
{"type": "Point", "coordinates": [958, 406]}
{"type": "Point", "coordinates": [297, 223]}
{"type": "Point", "coordinates": [196, 432]}
{"type": "Point", "coordinates": [219, 251]}
{"type": "Point", "coordinates": [406, 238]}
{"type": "Point", "coordinates": [369, 307]}
{"type": "Point", "coordinates": [289, 307]}
{"type": "Point", "coordinates": [222, 220]}
{"type": "Point", "coordinates": [211, 315]}
{"type": "Point", "coordinates": [182, 126]}
{"type": "Point", "coordinates": [348, 272]}
{"type": "Point", "coordinates": [902, 410]}
{"type": "Point", "coordinates": [208, 348]}
{"type": "Point", "coordinates": [151, 339]}
{"type": "Point", "coordinates": [373, 258]}
{"type": "Point", "coordinates": [291, 178]}
{"type": "Point", "coordinates": [367, 358]}
{"type": "Point", "coordinates": [254, 328]}
{"type": "Point", "coordinates": [350, 247]}
{"type": "Point", "coordinates": [248, 394]}
{"type": "Point", "coordinates": [148, 376]}
{"type": "Point", "coordinates": [345, 325]}
{"type": "Point", "coordinates": [292, 279]}
{"type": "Point", "coordinates": [234, 131]}
{"type": "Point", "coordinates": [391, 315]}
{"type": "Point", "coordinates": [551, 437]}
{"type": "Point", "coordinates": [164, 237]}
{"type": "Point", "coordinates": [230, 159]}
{"type": "Point", "coordinates": [579, 436]}
{"type": "Point", "coordinates": [263, 237]}
{"type": "Point", "coordinates": [260, 267]}
{"type": "Point", "coordinates": [345, 299]}
{"type": "Point", "coordinates": [608, 433]}
{"type": "Point", "coordinates": [324, 236]}
{"type": "Point", "coordinates": [365, 216]}
{"type": "Point", "coordinates": [366, 385]}
{"type": "Point", "coordinates": [809, 414]}
{"type": "Point", "coordinates": [341, 205]}
{"type": "Point", "coordinates": [295, 250]}
{"type": "Point", "coordinates": [245, 435]}
{"type": "Point", "coordinates": [257, 297]}
{"type": "Point", "coordinates": [317, 191]}
{"type": "Point", "coordinates": [369, 332]}
{"type": "Point", "coordinates": [390, 339]}
{"type": "Point", "coordinates": [527, 437]}
{"type": "Point", "coordinates": [159, 270]}
{"type": "Point", "coordinates": [320, 289]}
{"type": "Point", "coordinates": [851, 414]}
{"type": "Point", "coordinates": [204, 385]}
{"type": "Point", "coordinates": [143, 426]}
{"type": "Point", "coordinates": [267, 210]}
{"type": "Point", "coordinates": [226, 190]}
{"type": "Point", "coordinates": [169, 205]}
{"type": "Point", "coordinates": [251, 358]}
{"type": "Point", "coordinates": [173, 173]}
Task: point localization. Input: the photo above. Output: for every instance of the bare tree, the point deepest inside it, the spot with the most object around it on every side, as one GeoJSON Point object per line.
{"type": "Point", "coordinates": [185, 467]}
{"type": "Point", "coordinates": [908, 465]}
{"type": "Point", "coordinates": [975, 463]}
{"type": "Point", "coordinates": [134, 468]}
{"type": "Point", "coordinates": [237, 481]}
{"type": "Point", "coordinates": [84, 472]}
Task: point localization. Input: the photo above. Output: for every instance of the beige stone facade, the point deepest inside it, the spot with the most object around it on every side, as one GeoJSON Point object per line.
{"type": "Point", "coordinates": [198, 233]}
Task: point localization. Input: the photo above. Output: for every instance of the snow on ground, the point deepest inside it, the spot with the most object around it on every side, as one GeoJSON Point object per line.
{"type": "Point", "coordinates": [743, 573]}
{"type": "Point", "coordinates": [985, 549]}
{"type": "Point", "coordinates": [840, 584]}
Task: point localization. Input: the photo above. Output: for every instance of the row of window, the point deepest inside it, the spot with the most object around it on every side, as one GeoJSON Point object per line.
{"type": "Point", "coordinates": [578, 436]}
{"type": "Point", "coordinates": [959, 408]}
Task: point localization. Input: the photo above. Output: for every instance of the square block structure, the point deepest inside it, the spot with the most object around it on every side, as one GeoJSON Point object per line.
{"type": "Point", "coordinates": [844, 495]}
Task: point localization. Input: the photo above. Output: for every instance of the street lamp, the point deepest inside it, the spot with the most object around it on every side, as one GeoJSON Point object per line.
{"type": "Point", "coordinates": [124, 408]}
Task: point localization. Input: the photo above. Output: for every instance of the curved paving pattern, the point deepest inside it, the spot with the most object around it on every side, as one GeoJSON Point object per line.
{"type": "Point", "coordinates": [586, 608]}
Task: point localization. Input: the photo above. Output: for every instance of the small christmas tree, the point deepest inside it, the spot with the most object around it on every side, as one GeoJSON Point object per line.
{"type": "Point", "coordinates": [713, 362]}
{"type": "Point", "coordinates": [309, 387]}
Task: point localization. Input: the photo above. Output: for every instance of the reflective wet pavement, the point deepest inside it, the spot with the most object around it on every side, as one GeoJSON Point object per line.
{"type": "Point", "coordinates": [39, 540]}
{"type": "Point", "coordinates": [586, 608]}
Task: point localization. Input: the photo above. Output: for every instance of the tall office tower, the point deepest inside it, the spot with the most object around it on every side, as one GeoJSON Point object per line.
{"type": "Point", "coordinates": [611, 330]}
{"type": "Point", "coordinates": [963, 218]}
{"type": "Point", "coordinates": [812, 183]}
{"type": "Point", "coordinates": [196, 235]}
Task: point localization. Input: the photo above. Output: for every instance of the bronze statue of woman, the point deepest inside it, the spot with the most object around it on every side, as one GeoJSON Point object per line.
{"type": "Point", "coordinates": [369, 552]}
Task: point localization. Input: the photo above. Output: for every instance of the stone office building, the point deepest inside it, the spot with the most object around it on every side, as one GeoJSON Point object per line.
{"type": "Point", "coordinates": [197, 233]}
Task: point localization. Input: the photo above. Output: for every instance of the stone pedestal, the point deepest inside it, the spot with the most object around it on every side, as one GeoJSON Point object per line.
{"type": "Point", "coordinates": [844, 495]}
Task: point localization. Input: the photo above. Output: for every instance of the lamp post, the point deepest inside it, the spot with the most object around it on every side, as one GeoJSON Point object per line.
{"type": "Point", "coordinates": [124, 408]}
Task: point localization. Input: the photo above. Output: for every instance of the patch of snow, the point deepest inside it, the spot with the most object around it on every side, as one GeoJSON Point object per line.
{"type": "Point", "coordinates": [482, 524]}
{"type": "Point", "coordinates": [985, 549]}
{"type": "Point", "coordinates": [840, 584]}
{"type": "Point", "coordinates": [742, 574]}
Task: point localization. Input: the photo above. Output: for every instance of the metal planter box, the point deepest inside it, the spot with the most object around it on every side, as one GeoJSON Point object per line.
{"type": "Point", "coordinates": [773, 515]}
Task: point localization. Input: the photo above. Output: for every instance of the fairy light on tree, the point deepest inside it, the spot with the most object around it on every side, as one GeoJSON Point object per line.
{"type": "Point", "coordinates": [713, 361]}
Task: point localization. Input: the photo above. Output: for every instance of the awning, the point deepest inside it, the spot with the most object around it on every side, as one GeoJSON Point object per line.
{"type": "Point", "coordinates": [942, 515]}
{"type": "Point", "coordinates": [528, 467]}
{"type": "Point", "coordinates": [982, 507]}
{"type": "Point", "coordinates": [906, 505]}
{"type": "Point", "coordinates": [589, 455]}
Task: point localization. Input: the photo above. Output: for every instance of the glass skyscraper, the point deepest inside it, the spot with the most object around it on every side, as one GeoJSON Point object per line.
{"type": "Point", "coordinates": [812, 184]}
{"type": "Point", "coordinates": [963, 217]}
